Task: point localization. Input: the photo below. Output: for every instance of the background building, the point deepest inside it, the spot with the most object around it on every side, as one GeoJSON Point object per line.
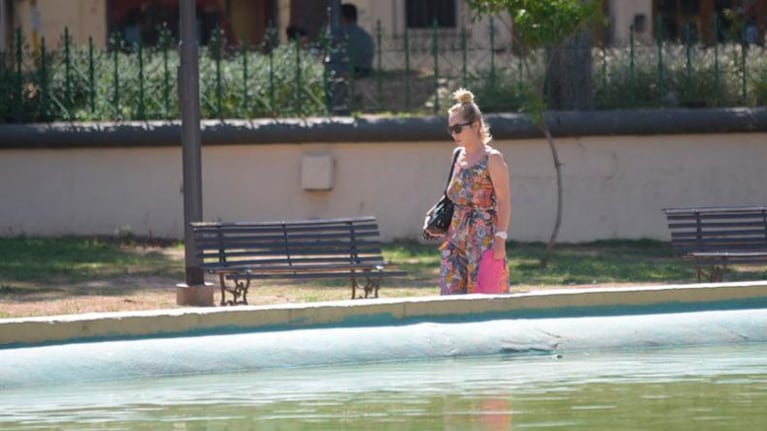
{"type": "Point", "coordinates": [246, 21]}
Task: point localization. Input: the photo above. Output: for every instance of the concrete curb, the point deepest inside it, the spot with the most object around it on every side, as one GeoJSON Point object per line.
{"type": "Point", "coordinates": [371, 128]}
{"type": "Point", "coordinates": [205, 321]}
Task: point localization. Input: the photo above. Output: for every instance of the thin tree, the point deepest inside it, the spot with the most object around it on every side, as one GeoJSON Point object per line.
{"type": "Point", "coordinates": [556, 25]}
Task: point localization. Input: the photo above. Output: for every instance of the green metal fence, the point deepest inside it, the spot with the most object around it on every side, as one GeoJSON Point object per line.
{"type": "Point", "coordinates": [414, 73]}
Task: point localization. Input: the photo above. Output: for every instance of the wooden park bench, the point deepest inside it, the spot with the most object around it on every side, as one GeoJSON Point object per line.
{"type": "Point", "coordinates": [715, 237]}
{"type": "Point", "coordinates": [240, 252]}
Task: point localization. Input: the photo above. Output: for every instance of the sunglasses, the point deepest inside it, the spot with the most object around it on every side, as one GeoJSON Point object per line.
{"type": "Point", "coordinates": [457, 128]}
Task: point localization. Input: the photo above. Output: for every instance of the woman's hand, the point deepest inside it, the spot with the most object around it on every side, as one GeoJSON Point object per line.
{"type": "Point", "coordinates": [499, 249]}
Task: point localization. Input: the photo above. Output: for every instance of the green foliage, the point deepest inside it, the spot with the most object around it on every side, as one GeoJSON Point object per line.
{"type": "Point", "coordinates": [712, 77]}
{"type": "Point", "coordinates": [135, 83]}
{"type": "Point", "coordinates": [541, 22]}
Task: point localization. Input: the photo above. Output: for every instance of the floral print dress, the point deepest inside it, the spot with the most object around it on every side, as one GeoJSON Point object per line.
{"type": "Point", "coordinates": [472, 228]}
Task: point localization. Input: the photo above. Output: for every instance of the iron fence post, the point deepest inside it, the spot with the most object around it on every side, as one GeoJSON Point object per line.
{"type": "Point", "coordinates": [632, 65]}
{"type": "Point", "coordinates": [245, 94]}
{"type": "Point", "coordinates": [116, 77]}
{"type": "Point", "coordinates": [520, 74]}
{"type": "Point", "coordinates": [716, 60]}
{"type": "Point", "coordinates": [379, 67]}
{"type": "Point", "coordinates": [19, 105]}
{"type": "Point", "coordinates": [492, 54]}
{"type": "Point", "coordinates": [297, 89]}
{"type": "Point", "coordinates": [464, 69]}
{"type": "Point", "coordinates": [216, 41]}
{"type": "Point", "coordinates": [659, 37]}
{"type": "Point", "coordinates": [43, 103]}
{"type": "Point", "coordinates": [4, 80]}
{"type": "Point", "coordinates": [603, 51]}
{"type": "Point", "coordinates": [688, 64]}
{"type": "Point", "coordinates": [91, 76]}
{"type": "Point", "coordinates": [272, 43]}
{"type": "Point", "coordinates": [141, 114]}
{"type": "Point", "coordinates": [165, 46]}
{"type": "Point", "coordinates": [435, 52]}
{"type": "Point", "coordinates": [743, 66]}
{"type": "Point", "coordinates": [406, 42]}
{"type": "Point", "coordinates": [67, 73]}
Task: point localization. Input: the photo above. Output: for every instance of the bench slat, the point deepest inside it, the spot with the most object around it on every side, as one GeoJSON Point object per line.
{"type": "Point", "coordinates": [271, 227]}
{"type": "Point", "coordinates": [280, 245]}
{"type": "Point", "coordinates": [715, 209]}
{"type": "Point", "coordinates": [276, 235]}
{"type": "Point", "coordinates": [717, 215]}
{"type": "Point", "coordinates": [309, 222]}
{"type": "Point", "coordinates": [294, 254]}
{"type": "Point", "coordinates": [245, 263]}
{"type": "Point", "coordinates": [255, 269]}
{"type": "Point", "coordinates": [716, 225]}
{"type": "Point", "coordinates": [729, 257]}
{"type": "Point", "coordinates": [280, 233]}
{"type": "Point", "coordinates": [302, 251]}
{"type": "Point", "coordinates": [747, 233]}
{"type": "Point", "coordinates": [312, 275]}
{"type": "Point", "coordinates": [721, 240]}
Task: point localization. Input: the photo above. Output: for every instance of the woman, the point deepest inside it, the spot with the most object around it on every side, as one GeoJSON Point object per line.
{"type": "Point", "coordinates": [480, 191]}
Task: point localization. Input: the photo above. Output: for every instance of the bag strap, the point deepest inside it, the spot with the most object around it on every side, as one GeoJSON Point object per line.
{"type": "Point", "coordinates": [452, 166]}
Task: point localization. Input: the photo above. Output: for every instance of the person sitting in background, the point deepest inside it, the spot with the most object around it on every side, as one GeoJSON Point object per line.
{"type": "Point", "coordinates": [296, 33]}
{"type": "Point", "coordinates": [360, 48]}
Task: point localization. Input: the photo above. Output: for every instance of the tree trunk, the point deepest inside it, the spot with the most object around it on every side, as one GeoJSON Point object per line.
{"type": "Point", "coordinates": [310, 15]}
{"type": "Point", "coordinates": [558, 219]}
{"type": "Point", "coordinates": [570, 85]}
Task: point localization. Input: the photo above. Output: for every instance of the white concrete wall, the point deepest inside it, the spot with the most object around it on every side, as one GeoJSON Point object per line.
{"type": "Point", "coordinates": [621, 17]}
{"type": "Point", "coordinates": [615, 187]}
{"type": "Point", "coordinates": [49, 18]}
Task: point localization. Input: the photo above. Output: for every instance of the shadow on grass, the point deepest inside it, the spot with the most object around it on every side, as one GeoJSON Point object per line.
{"type": "Point", "coordinates": [47, 267]}
{"type": "Point", "coordinates": [33, 269]}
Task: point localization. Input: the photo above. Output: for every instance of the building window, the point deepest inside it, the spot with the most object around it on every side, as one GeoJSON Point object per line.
{"type": "Point", "coordinates": [423, 13]}
{"type": "Point", "coordinates": [140, 21]}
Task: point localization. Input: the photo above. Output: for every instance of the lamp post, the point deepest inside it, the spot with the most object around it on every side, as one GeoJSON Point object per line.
{"type": "Point", "coordinates": [194, 292]}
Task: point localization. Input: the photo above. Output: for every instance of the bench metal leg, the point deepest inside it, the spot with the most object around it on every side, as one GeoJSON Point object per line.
{"type": "Point", "coordinates": [239, 290]}
{"type": "Point", "coordinates": [715, 273]}
{"type": "Point", "coordinates": [354, 287]}
{"type": "Point", "coordinates": [372, 284]}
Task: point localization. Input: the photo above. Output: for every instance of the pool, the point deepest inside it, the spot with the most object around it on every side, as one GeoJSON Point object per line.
{"type": "Point", "coordinates": [682, 358]}
{"type": "Point", "coordinates": [694, 388]}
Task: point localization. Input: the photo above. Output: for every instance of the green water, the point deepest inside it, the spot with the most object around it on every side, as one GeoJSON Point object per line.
{"type": "Point", "coordinates": [692, 389]}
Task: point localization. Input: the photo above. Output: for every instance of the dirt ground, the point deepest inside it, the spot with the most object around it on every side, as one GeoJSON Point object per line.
{"type": "Point", "coordinates": [141, 292]}
{"type": "Point", "coordinates": [153, 293]}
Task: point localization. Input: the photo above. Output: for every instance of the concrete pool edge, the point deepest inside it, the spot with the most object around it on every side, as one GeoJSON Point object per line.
{"type": "Point", "coordinates": [18, 332]}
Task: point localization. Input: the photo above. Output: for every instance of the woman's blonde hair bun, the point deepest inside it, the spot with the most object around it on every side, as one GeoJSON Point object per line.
{"type": "Point", "coordinates": [463, 95]}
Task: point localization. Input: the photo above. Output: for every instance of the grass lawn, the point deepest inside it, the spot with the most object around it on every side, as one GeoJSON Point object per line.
{"type": "Point", "coordinates": [47, 276]}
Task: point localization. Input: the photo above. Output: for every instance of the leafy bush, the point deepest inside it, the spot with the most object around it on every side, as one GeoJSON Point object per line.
{"type": "Point", "coordinates": [131, 83]}
{"type": "Point", "coordinates": [72, 83]}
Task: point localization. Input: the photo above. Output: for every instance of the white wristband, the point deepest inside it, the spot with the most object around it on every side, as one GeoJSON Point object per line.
{"type": "Point", "coordinates": [502, 235]}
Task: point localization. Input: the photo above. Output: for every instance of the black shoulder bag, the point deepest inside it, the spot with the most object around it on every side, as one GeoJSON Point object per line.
{"type": "Point", "coordinates": [439, 216]}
